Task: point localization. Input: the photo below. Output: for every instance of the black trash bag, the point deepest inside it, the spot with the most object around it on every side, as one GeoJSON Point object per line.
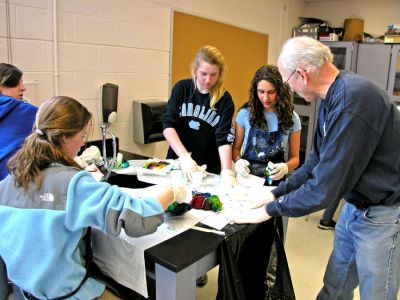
{"type": "Point", "coordinates": [253, 263]}
{"type": "Point", "coordinates": [278, 280]}
{"type": "Point", "coordinates": [244, 260]}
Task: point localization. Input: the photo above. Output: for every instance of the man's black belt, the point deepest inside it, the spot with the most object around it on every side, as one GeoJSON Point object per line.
{"type": "Point", "coordinates": [361, 205]}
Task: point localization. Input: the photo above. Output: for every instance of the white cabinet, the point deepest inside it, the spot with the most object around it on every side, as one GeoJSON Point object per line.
{"type": "Point", "coordinates": [307, 113]}
{"type": "Point", "coordinates": [344, 54]}
{"type": "Point", "coordinates": [381, 64]}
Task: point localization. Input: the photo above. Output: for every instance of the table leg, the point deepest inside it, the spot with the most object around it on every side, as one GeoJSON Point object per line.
{"type": "Point", "coordinates": [175, 286]}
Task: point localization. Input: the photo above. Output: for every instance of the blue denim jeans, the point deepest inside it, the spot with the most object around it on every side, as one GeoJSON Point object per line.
{"type": "Point", "coordinates": [366, 252]}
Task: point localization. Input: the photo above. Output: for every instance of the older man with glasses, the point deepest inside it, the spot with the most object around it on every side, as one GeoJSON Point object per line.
{"type": "Point", "coordinates": [356, 157]}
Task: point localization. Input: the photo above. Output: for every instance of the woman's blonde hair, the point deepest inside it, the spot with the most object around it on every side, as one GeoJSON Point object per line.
{"type": "Point", "coordinates": [56, 118]}
{"type": "Point", "coordinates": [212, 56]}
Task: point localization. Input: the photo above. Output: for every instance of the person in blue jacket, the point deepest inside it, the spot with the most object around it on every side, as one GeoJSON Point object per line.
{"type": "Point", "coordinates": [48, 203]}
{"type": "Point", "coordinates": [267, 129]}
{"type": "Point", "coordinates": [356, 157]}
{"type": "Point", "coordinates": [16, 121]}
{"type": "Point", "coordinates": [16, 116]}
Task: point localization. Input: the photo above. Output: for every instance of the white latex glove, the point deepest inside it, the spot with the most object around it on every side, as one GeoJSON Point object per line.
{"type": "Point", "coordinates": [256, 215]}
{"type": "Point", "coordinates": [242, 167]}
{"type": "Point", "coordinates": [80, 162]}
{"type": "Point", "coordinates": [228, 178]}
{"type": "Point", "coordinates": [91, 154]}
{"type": "Point", "coordinates": [261, 196]}
{"type": "Point", "coordinates": [278, 171]}
{"type": "Point", "coordinates": [188, 165]}
{"type": "Point", "coordinates": [179, 193]}
{"type": "Point", "coordinates": [95, 172]}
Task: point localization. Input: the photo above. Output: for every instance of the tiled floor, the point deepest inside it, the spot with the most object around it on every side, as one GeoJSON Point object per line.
{"type": "Point", "coordinates": [307, 248]}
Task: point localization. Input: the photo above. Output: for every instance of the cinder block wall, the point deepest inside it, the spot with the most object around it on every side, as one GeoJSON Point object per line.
{"type": "Point", "coordinates": [125, 42]}
{"type": "Point", "coordinates": [128, 43]}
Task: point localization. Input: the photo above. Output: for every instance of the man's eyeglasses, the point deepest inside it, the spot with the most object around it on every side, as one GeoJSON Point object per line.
{"type": "Point", "coordinates": [287, 80]}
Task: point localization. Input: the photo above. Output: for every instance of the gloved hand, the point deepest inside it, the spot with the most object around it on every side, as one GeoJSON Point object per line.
{"type": "Point", "coordinates": [179, 193]}
{"type": "Point", "coordinates": [188, 165]}
{"type": "Point", "coordinates": [242, 167]}
{"type": "Point", "coordinates": [256, 215]}
{"type": "Point", "coordinates": [261, 196]}
{"type": "Point", "coordinates": [278, 171]}
{"type": "Point", "coordinates": [95, 172]}
{"type": "Point", "coordinates": [228, 178]}
{"type": "Point", "coordinates": [91, 154]}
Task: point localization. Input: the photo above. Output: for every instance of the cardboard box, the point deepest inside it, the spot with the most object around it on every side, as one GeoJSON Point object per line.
{"type": "Point", "coordinates": [353, 29]}
{"type": "Point", "coordinates": [392, 39]}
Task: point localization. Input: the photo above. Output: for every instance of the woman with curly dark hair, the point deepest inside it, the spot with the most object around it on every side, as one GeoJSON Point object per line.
{"type": "Point", "coordinates": [267, 129]}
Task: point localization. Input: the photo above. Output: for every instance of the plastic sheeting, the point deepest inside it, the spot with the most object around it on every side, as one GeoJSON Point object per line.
{"type": "Point", "coordinates": [245, 259]}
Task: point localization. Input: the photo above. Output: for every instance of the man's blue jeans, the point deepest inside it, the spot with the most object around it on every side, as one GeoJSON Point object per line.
{"type": "Point", "coordinates": [366, 252]}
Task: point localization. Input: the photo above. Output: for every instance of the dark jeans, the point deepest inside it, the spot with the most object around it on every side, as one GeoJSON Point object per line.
{"type": "Point", "coordinates": [330, 210]}
{"type": "Point", "coordinates": [17, 295]}
{"type": "Point", "coordinates": [3, 281]}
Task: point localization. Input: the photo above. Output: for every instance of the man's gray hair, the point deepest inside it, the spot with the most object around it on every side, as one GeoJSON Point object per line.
{"type": "Point", "coordinates": [305, 53]}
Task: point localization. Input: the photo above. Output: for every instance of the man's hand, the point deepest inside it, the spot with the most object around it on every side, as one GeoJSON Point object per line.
{"type": "Point", "coordinates": [261, 196]}
{"type": "Point", "coordinates": [255, 215]}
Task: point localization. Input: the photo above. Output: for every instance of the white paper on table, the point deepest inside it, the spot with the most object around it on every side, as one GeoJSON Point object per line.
{"type": "Point", "coordinates": [250, 180]}
{"type": "Point", "coordinates": [154, 179]}
{"type": "Point", "coordinates": [167, 179]}
{"type": "Point", "coordinates": [130, 251]}
{"type": "Point", "coordinates": [125, 259]}
{"type": "Point", "coordinates": [125, 171]}
{"type": "Point", "coordinates": [172, 226]}
{"type": "Point", "coordinates": [216, 220]}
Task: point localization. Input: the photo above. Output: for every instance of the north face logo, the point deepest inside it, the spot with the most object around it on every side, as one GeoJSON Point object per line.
{"type": "Point", "coordinates": [47, 197]}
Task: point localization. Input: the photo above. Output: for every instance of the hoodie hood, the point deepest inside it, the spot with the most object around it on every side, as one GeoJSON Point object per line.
{"type": "Point", "coordinates": [7, 105]}
{"type": "Point", "coordinates": [16, 123]}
